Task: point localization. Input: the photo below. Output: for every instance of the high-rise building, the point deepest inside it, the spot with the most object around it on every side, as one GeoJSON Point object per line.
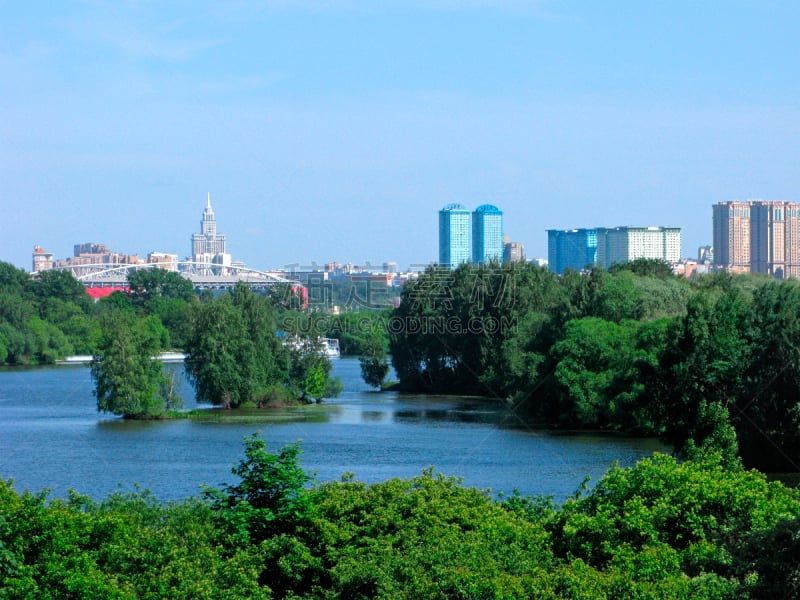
{"type": "Point", "coordinates": [758, 236]}
{"type": "Point", "coordinates": [455, 229]}
{"type": "Point", "coordinates": [208, 246]}
{"type": "Point", "coordinates": [574, 249]}
{"type": "Point", "coordinates": [731, 239]}
{"type": "Point", "coordinates": [487, 234]}
{"type": "Point", "coordinates": [512, 251]}
{"type": "Point", "coordinates": [578, 249]}
{"type": "Point", "coordinates": [616, 245]}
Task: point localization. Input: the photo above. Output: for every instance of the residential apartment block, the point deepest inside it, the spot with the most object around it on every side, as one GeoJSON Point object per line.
{"type": "Point", "coordinates": [757, 236]}
{"type": "Point", "coordinates": [577, 249]}
{"type": "Point", "coordinates": [624, 244]}
{"type": "Point", "coordinates": [512, 251]}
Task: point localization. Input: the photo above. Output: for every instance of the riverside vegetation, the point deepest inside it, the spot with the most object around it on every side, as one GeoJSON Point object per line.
{"type": "Point", "coordinates": [235, 357]}
{"type": "Point", "coordinates": [658, 530]}
{"type": "Point", "coordinates": [711, 365]}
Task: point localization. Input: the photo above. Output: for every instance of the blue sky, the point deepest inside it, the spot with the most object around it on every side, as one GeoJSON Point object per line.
{"type": "Point", "coordinates": [335, 130]}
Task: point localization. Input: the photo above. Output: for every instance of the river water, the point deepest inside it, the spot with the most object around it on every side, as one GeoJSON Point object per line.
{"type": "Point", "coordinates": [51, 436]}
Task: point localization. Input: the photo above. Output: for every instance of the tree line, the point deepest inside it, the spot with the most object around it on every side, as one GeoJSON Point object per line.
{"type": "Point", "coordinates": [235, 356]}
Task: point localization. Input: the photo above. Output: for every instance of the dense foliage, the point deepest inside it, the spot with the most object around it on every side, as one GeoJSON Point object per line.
{"type": "Point", "coordinates": [48, 317]}
{"type": "Point", "coordinates": [128, 381]}
{"type": "Point", "coordinates": [374, 362]}
{"type": "Point", "coordinates": [44, 319]}
{"type": "Point", "coordinates": [658, 530]}
{"type": "Point", "coordinates": [235, 356]}
{"type": "Point", "coordinates": [710, 364]}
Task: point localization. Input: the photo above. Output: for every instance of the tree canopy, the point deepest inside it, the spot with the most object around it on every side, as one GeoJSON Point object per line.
{"type": "Point", "coordinates": [709, 364]}
{"type": "Point", "coordinates": [128, 380]}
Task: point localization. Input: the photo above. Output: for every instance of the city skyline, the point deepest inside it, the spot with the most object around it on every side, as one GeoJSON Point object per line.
{"type": "Point", "coordinates": [478, 232]}
{"type": "Point", "coordinates": [329, 131]}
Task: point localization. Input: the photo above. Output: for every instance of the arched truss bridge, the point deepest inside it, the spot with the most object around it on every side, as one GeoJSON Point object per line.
{"type": "Point", "coordinates": [202, 275]}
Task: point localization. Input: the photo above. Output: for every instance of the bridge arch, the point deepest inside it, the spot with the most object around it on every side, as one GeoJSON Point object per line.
{"type": "Point", "coordinates": [202, 275]}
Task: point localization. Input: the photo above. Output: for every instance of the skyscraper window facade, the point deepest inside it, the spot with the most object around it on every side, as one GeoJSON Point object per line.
{"type": "Point", "coordinates": [455, 236]}
{"type": "Point", "coordinates": [487, 234]}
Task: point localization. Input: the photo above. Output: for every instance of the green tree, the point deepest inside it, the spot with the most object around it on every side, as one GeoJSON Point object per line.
{"type": "Point", "coordinates": [766, 413]}
{"type": "Point", "coordinates": [309, 371]}
{"type": "Point", "coordinates": [270, 497]}
{"type": "Point", "coordinates": [590, 361]}
{"type": "Point", "coordinates": [174, 314]}
{"type": "Point", "coordinates": [702, 373]}
{"type": "Point", "coordinates": [221, 358]}
{"type": "Point", "coordinates": [258, 314]}
{"type": "Point", "coordinates": [17, 344]}
{"type": "Point", "coordinates": [651, 267]}
{"type": "Point", "coordinates": [127, 379]}
{"type": "Point", "coordinates": [60, 285]}
{"type": "Point", "coordinates": [697, 512]}
{"type": "Point", "coordinates": [773, 553]}
{"type": "Point", "coordinates": [12, 279]}
{"type": "Point", "coordinates": [147, 284]}
{"type": "Point", "coordinates": [166, 295]}
{"type": "Point", "coordinates": [451, 329]}
{"type": "Point", "coordinates": [373, 361]}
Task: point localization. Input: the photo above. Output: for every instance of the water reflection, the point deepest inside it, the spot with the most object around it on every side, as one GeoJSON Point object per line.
{"type": "Point", "coordinates": [374, 416]}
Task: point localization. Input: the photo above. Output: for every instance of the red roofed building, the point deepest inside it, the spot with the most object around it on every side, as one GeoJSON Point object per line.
{"type": "Point", "coordinates": [102, 292]}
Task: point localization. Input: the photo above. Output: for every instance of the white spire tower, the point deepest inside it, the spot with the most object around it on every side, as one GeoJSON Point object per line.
{"type": "Point", "coordinates": [208, 246]}
{"type": "Point", "coordinates": [209, 223]}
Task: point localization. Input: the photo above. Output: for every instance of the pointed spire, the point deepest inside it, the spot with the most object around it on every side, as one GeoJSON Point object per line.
{"type": "Point", "coordinates": [208, 201]}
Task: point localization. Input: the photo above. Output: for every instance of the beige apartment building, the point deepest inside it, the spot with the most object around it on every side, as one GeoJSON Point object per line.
{"type": "Point", "coordinates": [617, 245]}
{"type": "Point", "coordinates": [758, 236]}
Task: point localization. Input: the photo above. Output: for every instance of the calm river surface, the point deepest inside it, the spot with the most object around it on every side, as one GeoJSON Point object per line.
{"type": "Point", "coordinates": [51, 436]}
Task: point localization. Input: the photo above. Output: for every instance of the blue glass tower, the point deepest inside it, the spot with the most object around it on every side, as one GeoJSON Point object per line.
{"type": "Point", "coordinates": [573, 249]}
{"type": "Point", "coordinates": [487, 234]}
{"type": "Point", "coordinates": [454, 236]}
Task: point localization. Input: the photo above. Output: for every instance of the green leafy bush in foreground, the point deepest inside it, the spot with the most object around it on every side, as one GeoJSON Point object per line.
{"type": "Point", "coordinates": [660, 529]}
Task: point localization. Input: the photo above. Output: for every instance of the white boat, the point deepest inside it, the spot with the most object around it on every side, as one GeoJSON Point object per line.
{"type": "Point", "coordinates": [328, 347]}
{"type": "Point", "coordinates": [331, 347]}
